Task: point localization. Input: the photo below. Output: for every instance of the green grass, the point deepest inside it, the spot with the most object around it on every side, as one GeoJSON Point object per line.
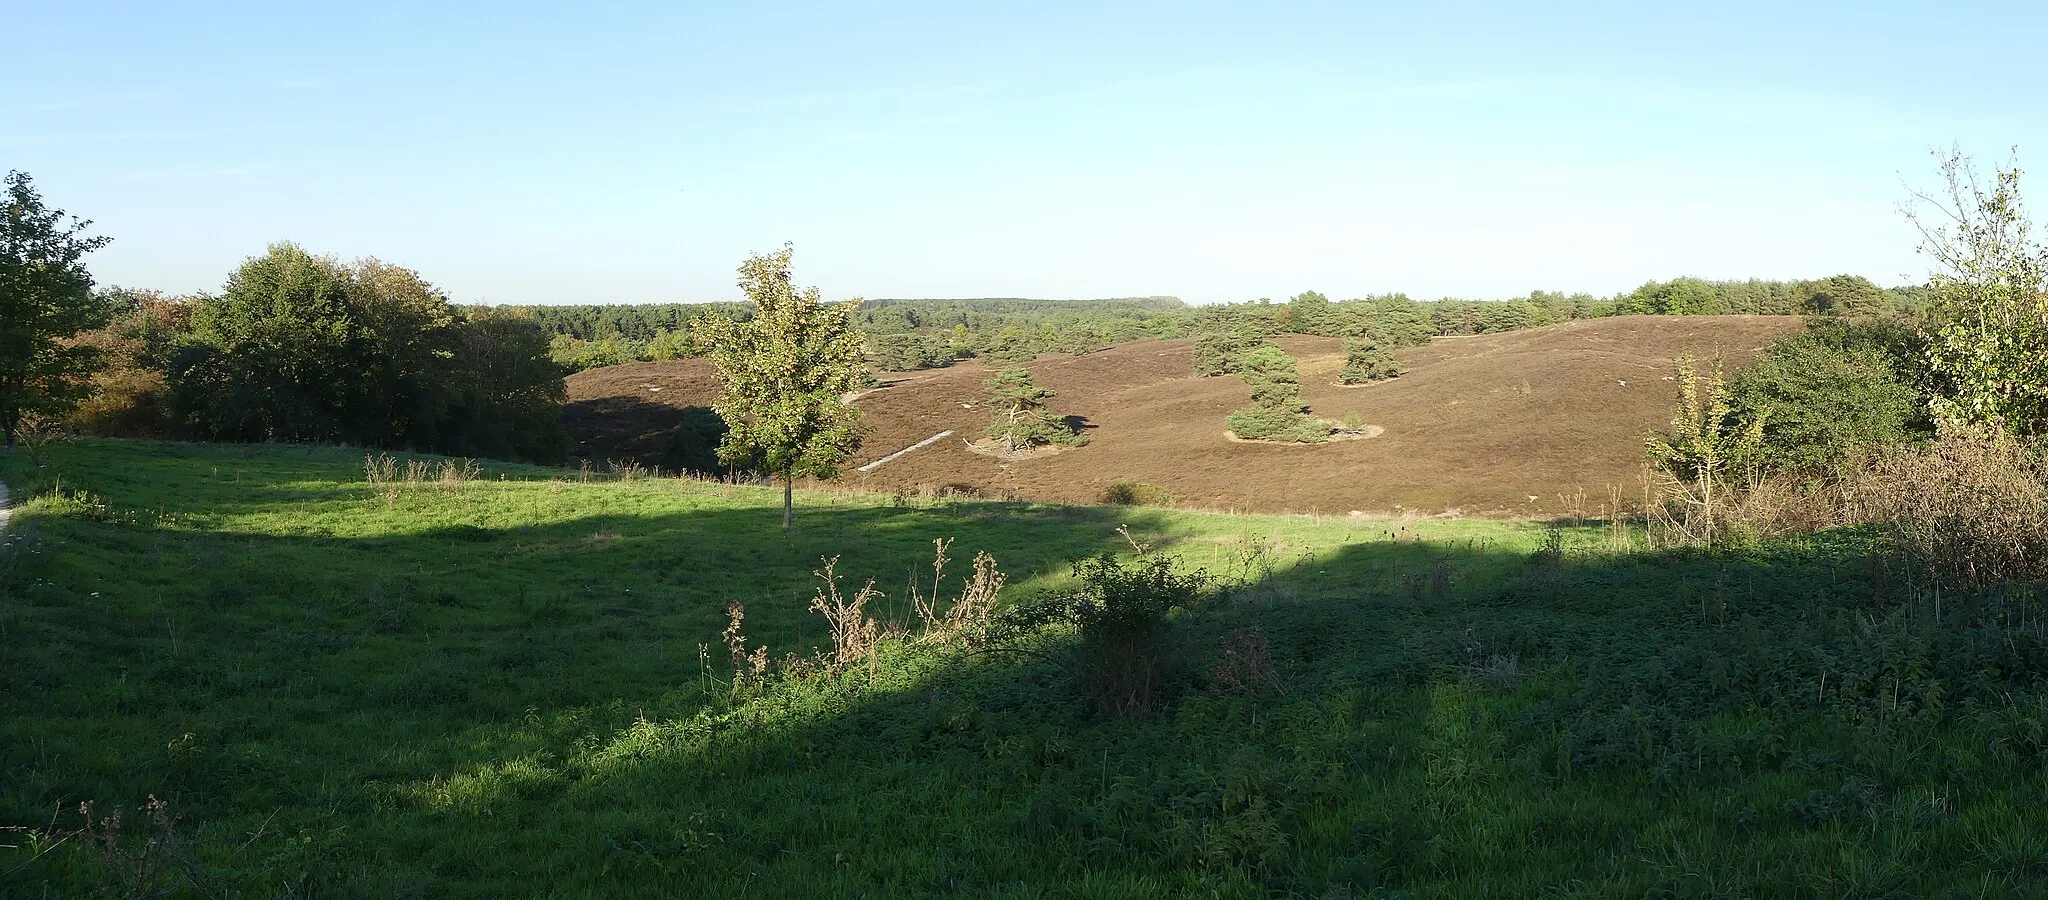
{"type": "Point", "coordinates": [495, 689]}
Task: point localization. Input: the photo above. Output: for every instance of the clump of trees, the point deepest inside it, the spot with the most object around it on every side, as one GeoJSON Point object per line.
{"type": "Point", "coordinates": [786, 372]}
{"type": "Point", "coordinates": [1277, 412]}
{"type": "Point", "coordinates": [1020, 419]}
{"type": "Point", "coordinates": [295, 347]}
{"type": "Point", "coordinates": [299, 347]}
{"type": "Point", "coordinates": [1366, 361]}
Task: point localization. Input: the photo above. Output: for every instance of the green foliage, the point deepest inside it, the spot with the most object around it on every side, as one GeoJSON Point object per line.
{"type": "Point", "coordinates": [1222, 352]}
{"type": "Point", "coordinates": [1310, 313]}
{"type": "Point", "coordinates": [1990, 293]}
{"type": "Point", "coordinates": [784, 376]}
{"type": "Point", "coordinates": [1365, 361]}
{"type": "Point", "coordinates": [1833, 387]}
{"type": "Point", "coordinates": [1707, 450]}
{"type": "Point", "coordinates": [1019, 419]}
{"type": "Point", "coordinates": [45, 296]}
{"type": "Point", "coordinates": [1120, 612]}
{"type": "Point", "coordinates": [1276, 412]}
{"type": "Point", "coordinates": [128, 394]}
{"type": "Point", "coordinates": [1677, 297]}
{"type": "Point", "coordinates": [574, 355]}
{"type": "Point", "coordinates": [1843, 295]}
{"type": "Point", "coordinates": [908, 351]}
{"type": "Point", "coordinates": [304, 348]}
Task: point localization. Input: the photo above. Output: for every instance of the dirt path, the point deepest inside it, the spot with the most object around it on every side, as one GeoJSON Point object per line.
{"type": "Point", "coordinates": [5, 509]}
{"type": "Point", "coordinates": [920, 445]}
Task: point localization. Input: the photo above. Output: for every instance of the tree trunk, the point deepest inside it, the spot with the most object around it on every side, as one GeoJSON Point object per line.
{"type": "Point", "coordinates": [7, 424]}
{"type": "Point", "coordinates": [788, 495]}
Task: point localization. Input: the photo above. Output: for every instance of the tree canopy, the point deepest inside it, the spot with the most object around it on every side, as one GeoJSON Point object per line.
{"type": "Point", "coordinates": [1990, 300]}
{"type": "Point", "coordinates": [786, 372]}
{"type": "Point", "coordinates": [45, 296]}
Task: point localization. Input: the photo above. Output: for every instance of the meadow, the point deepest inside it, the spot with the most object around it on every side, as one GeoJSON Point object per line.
{"type": "Point", "coordinates": [511, 681]}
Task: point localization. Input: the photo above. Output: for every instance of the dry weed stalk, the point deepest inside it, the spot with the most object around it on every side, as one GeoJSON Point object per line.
{"type": "Point", "coordinates": [1245, 665]}
{"type": "Point", "coordinates": [1971, 510]}
{"type": "Point", "coordinates": [968, 618]}
{"type": "Point", "coordinates": [454, 473]}
{"type": "Point", "coordinates": [855, 634]}
{"type": "Point", "coordinates": [388, 479]}
{"type": "Point", "coordinates": [748, 667]}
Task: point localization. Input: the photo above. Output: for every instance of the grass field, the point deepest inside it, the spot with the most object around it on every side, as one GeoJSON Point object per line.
{"type": "Point", "coordinates": [499, 687]}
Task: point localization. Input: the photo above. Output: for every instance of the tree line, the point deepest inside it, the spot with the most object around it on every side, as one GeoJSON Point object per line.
{"type": "Point", "coordinates": [905, 335]}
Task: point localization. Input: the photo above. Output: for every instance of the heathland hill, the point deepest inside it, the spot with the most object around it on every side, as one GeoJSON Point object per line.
{"type": "Point", "coordinates": [1511, 423]}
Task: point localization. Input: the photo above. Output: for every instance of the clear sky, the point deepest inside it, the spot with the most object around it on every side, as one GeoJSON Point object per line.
{"type": "Point", "coordinates": [566, 152]}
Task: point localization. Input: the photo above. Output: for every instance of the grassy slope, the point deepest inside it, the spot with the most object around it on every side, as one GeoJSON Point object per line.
{"type": "Point", "coordinates": [495, 690]}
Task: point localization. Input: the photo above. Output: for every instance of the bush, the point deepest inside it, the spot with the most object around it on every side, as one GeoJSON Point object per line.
{"type": "Point", "coordinates": [1125, 492]}
{"type": "Point", "coordinates": [1833, 387]}
{"type": "Point", "coordinates": [1261, 424]}
{"type": "Point", "coordinates": [1120, 612]}
{"type": "Point", "coordinates": [1020, 420]}
{"type": "Point", "coordinates": [1970, 511]}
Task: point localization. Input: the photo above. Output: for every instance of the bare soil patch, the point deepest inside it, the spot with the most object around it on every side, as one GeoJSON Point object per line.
{"type": "Point", "coordinates": [987, 447]}
{"type": "Point", "coordinates": [1360, 433]}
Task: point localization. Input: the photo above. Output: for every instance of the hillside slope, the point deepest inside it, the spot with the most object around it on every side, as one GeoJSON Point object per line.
{"type": "Point", "coordinates": [1503, 424]}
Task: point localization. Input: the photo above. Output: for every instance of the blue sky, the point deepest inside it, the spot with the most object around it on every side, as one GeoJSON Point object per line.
{"type": "Point", "coordinates": [550, 153]}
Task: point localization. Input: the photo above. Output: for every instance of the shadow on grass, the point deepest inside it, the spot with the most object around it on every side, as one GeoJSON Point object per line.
{"type": "Point", "coordinates": [477, 710]}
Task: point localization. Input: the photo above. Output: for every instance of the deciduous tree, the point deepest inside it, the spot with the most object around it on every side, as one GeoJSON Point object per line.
{"type": "Point", "coordinates": [1990, 299]}
{"type": "Point", "coordinates": [45, 296]}
{"type": "Point", "coordinates": [785, 374]}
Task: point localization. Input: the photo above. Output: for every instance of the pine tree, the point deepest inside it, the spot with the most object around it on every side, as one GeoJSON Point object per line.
{"type": "Point", "coordinates": [1365, 360]}
{"type": "Point", "coordinates": [1021, 420]}
{"type": "Point", "coordinates": [785, 374]}
{"type": "Point", "coordinates": [1276, 412]}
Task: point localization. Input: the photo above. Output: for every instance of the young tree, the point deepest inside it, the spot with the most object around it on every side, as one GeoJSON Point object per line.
{"type": "Point", "coordinates": [1990, 300]}
{"type": "Point", "coordinates": [1707, 447]}
{"type": "Point", "coordinates": [45, 296]}
{"type": "Point", "coordinates": [1021, 419]}
{"type": "Point", "coordinates": [1365, 360]}
{"type": "Point", "coordinates": [785, 373]}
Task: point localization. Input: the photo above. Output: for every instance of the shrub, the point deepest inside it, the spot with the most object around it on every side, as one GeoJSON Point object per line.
{"type": "Point", "coordinates": [1120, 612]}
{"type": "Point", "coordinates": [1970, 511]}
{"type": "Point", "coordinates": [1126, 492]}
{"type": "Point", "coordinates": [1256, 424]}
{"type": "Point", "coordinates": [1365, 360]}
{"type": "Point", "coordinates": [1706, 456]}
{"type": "Point", "coordinates": [1833, 387]}
{"type": "Point", "coordinates": [1020, 419]}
